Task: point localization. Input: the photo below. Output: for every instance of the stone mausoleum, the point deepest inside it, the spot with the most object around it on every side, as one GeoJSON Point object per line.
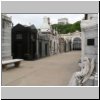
{"type": "Point", "coordinates": [88, 75]}
{"type": "Point", "coordinates": [90, 44]}
{"type": "Point", "coordinates": [6, 37]}
{"type": "Point", "coordinates": [72, 41]}
{"type": "Point", "coordinates": [24, 42]}
{"type": "Point", "coordinates": [48, 39]}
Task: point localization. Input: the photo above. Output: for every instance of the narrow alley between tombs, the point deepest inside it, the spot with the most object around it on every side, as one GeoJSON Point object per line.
{"type": "Point", "coordinates": [55, 70]}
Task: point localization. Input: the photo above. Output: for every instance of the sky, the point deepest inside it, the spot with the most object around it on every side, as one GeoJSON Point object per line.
{"type": "Point", "coordinates": [37, 19]}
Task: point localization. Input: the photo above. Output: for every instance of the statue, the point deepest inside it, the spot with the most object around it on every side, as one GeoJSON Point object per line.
{"type": "Point", "coordinates": [86, 71]}
{"type": "Point", "coordinates": [79, 78]}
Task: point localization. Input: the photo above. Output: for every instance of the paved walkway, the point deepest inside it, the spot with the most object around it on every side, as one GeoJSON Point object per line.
{"type": "Point", "coordinates": [50, 71]}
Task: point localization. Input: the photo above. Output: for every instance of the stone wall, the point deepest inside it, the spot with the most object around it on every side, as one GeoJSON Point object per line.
{"type": "Point", "coordinates": [90, 49]}
{"type": "Point", "coordinates": [69, 38]}
{"type": "Point", "coordinates": [43, 41]}
{"type": "Point", "coordinates": [6, 37]}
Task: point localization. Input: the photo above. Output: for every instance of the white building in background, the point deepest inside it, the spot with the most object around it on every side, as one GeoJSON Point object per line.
{"type": "Point", "coordinates": [63, 21]}
{"type": "Point", "coordinates": [6, 37]}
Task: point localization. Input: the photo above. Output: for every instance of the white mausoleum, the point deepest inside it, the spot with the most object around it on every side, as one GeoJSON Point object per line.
{"type": "Point", "coordinates": [51, 34]}
{"type": "Point", "coordinates": [6, 37]}
{"type": "Point", "coordinates": [89, 28]}
{"type": "Point", "coordinates": [72, 39]}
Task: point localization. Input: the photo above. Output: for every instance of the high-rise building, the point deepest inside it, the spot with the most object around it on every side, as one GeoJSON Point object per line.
{"type": "Point", "coordinates": [63, 21]}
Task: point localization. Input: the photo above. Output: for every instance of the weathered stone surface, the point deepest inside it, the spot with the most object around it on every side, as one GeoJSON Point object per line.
{"type": "Point", "coordinates": [48, 36]}
{"type": "Point", "coordinates": [69, 38]}
{"type": "Point", "coordinates": [96, 80]}
{"type": "Point", "coordinates": [6, 37]}
{"type": "Point", "coordinates": [89, 82]}
{"type": "Point", "coordinates": [90, 50]}
{"type": "Point", "coordinates": [90, 31]}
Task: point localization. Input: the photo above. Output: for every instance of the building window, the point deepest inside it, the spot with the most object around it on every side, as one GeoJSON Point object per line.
{"type": "Point", "coordinates": [18, 36]}
{"type": "Point", "coordinates": [90, 42]}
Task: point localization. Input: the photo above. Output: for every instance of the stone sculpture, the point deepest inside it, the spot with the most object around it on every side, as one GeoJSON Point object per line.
{"type": "Point", "coordinates": [86, 71]}
{"type": "Point", "coordinates": [80, 78]}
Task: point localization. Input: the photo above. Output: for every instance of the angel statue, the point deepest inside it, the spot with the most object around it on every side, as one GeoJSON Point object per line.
{"type": "Point", "coordinates": [79, 78]}
{"type": "Point", "coordinates": [86, 71]}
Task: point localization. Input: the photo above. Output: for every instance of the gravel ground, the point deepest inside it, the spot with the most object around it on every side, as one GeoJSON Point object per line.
{"type": "Point", "coordinates": [55, 70]}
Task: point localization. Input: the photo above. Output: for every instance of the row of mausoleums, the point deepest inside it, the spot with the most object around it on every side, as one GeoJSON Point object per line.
{"type": "Point", "coordinates": [70, 41]}
{"type": "Point", "coordinates": [28, 42]}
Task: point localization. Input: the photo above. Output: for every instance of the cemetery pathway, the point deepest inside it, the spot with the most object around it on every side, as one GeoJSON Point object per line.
{"type": "Point", "coordinates": [55, 70]}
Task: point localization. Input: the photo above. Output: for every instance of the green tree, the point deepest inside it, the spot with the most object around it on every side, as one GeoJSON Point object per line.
{"type": "Point", "coordinates": [64, 29]}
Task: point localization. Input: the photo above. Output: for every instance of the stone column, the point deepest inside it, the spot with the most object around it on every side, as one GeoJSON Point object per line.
{"type": "Point", "coordinates": [82, 45]}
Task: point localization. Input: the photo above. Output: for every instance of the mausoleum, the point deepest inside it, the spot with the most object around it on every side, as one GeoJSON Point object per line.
{"type": "Point", "coordinates": [6, 37]}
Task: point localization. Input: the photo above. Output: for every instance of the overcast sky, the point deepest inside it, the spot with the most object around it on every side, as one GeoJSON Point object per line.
{"type": "Point", "coordinates": [37, 19]}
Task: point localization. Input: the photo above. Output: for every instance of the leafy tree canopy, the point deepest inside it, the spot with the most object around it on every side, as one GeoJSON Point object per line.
{"type": "Point", "coordinates": [64, 29]}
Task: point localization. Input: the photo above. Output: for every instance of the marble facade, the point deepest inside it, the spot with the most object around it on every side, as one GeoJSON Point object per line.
{"type": "Point", "coordinates": [89, 28]}
{"type": "Point", "coordinates": [6, 37]}
{"type": "Point", "coordinates": [88, 75]}
{"type": "Point", "coordinates": [69, 38]}
{"type": "Point", "coordinates": [51, 36]}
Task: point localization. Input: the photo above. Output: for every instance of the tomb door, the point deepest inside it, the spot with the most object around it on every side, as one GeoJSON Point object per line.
{"type": "Point", "coordinates": [77, 44]}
